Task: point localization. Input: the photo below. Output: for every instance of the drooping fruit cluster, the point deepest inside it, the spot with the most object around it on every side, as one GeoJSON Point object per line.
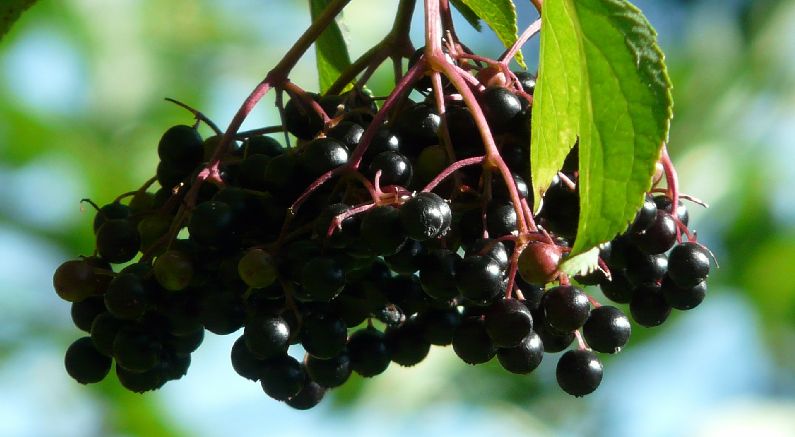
{"type": "Point", "coordinates": [383, 230]}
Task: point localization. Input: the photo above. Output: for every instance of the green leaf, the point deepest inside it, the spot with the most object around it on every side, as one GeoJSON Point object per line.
{"type": "Point", "coordinates": [330, 48]}
{"type": "Point", "coordinates": [500, 15]}
{"type": "Point", "coordinates": [468, 14]}
{"type": "Point", "coordinates": [621, 111]}
{"type": "Point", "coordinates": [10, 11]}
{"type": "Point", "coordinates": [581, 264]}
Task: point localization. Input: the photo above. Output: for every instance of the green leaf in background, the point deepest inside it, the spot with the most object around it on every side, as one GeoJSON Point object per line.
{"type": "Point", "coordinates": [331, 49]}
{"type": "Point", "coordinates": [468, 14]}
{"type": "Point", "coordinates": [581, 264]}
{"type": "Point", "coordinates": [500, 15]}
{"type": "Point", "coordinates": [10, 10]}
{"type": "Point", "coordinates": [622, 115]}
{"type": "Point", "coordinates": [556, 102]}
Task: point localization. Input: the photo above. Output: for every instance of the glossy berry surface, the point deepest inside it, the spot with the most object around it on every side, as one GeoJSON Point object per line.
{"type": "Point", "coordinates": [683, 298]}
{"type": "Point", "coordinates": [471, 342]}
{"type": "Point", "coordinates": [282, 377]}
{"type": "Point", "coordinates": [368, 352]}
{"type": "Point", "coordinates": [648, 306]}
{"type": "Point", "coordinates": [607, 329]}
{"type": "Point", "coordinates": [425, 216]}
{"type": "Point", "coordinates": [688, 264]}
{"type": "Point", "coordinates": [524, 357]}
{"type": "Point", "coordinates": [508, 322]}
{"type": "Point", "coordinates": [579, 372]}
{"type": "Point", "coordinates": [566, 307]}
{"type": "Point", "coordinates": [394, 168]}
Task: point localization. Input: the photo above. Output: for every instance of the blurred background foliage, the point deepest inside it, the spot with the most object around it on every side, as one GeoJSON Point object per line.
{"type": "Point", "coordinates": [82, 84]}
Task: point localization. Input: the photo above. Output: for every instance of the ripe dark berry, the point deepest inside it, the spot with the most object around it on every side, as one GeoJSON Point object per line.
{"type": "Point", "coordinates": [527, 81]}
{"type": "Point", "coordinates": [500, 191]}
{"type": "Point", "coordinates": [648, 306]}
{"type": "Point", "coordinates": [344, 234]}
{"type": "Point", "coordinates": [267, 336]}
{"type": "Point", "coordinates": [140, 382]}
{"type": "Point", "coordinates": [323, 335]}
{"type": "Point", "coordinates": [408, 259]}
{"type": "Point", "coordinates": [381, 230]}
{"type": "Point", "coordinates": [479, 278]}
{"type": "Point", "coordinates": [221, 311]}
{"type": "Point", "coordinates": [383, 141]}
{"type": "Point", "coordinates": [425, 216]}
{"type": "Point", "coordinates": [683, 298]}
{"type": "Point", "coordinates": [607, 329]}
{"type": "Point", "coordinates": [491, 248]}
{"type": "Point", "coordinates": [645, 216]}
{"type": "Point", "coordinates": [688, 264]}
{"type": "Point", "coordinates": [115, 210]}
{"type": "Point", "coordinates": [187, 343]}
{"type": "Point", "coordinates": [75, 280]}
{"type": "Point", "coordinates": [301, 119]}
{"type": "Point", "coordinates": [282, 377]}
{"type": "Point", "coordinates": [665, 203]}
{"type": "Point", "coordinates": [437, 274]}
{"type": "Point", "coordinates": [395, 169]}
{"type": "Point", "coordinates": [211, 223]}
{"type": "Point", "coordinates": [500, 106]}
{"type": "Point", "coordinates": [561, 209]}
{"type": "Point", "coordinates": [103, 332]}
{"type": "Point", "coordinates": [126, 297]}
{"type": "Point", "coordinates": [118, 240]}
{"type": "Point", "coordinates": [322, 155]}
{"type": "Point", "coordinates": [472, 343]}
{"type": "Point", "coordinates": [84, 312]}
{"type": "Point", "coordinates": [347, 132]}
{"type": "Point", "coordinates": [181, 145]}
{"type": "Point", "coordinates": [643, 268]}
{"type": "Point", "coordinates": [310, 395]}
{"type": "Point", "coordinates": [417, 126]}
{"type": "Point", "coordinates": [501, 220]}
{"type": "Point", "coordinates": [84, 363]}
{"type": "Point", "coordinates": [659, 237]}
{"type": "Point", "coordinates": [330, 373]}
{"type": "Point", "coordinates": [245, 363]}
{"type": "Point", "coordinates": [135, 350]}
{"type": "Point", "coordinates": [566, 307]}
{"type": "Point", "coordinates": [524, 357]}
{"type": "Point", "coordinates": [438, 325]}
{"type": "Point", "coordinates": [407, 346]}
{"type": "Point", "coordinates": [322, 278]}
{"type": "Point", "coordinates": [618, 288]}
{"type": "Point", "coordinates": [263, 145]}
{"type": "Point", "coordinates": [368, 351]}
{"type": "Point", "coordinates": [507, 322]}
{"type": "Point", "coordinates": [579, 372]}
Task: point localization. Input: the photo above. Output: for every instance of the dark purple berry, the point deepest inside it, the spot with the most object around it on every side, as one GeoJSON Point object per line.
{"type": "Point", "coordinates": [688, 264]}
{"type": "Point", "coordinates": [607, 329]}
{"type": "Point", "coordinates": [579, 372]}
{"type": "Point", "coordinates": [85, 363]}
{"type": "Point", "coordinates": [683, 298]}
{"type": "Point", "coordinates": [566, 307]}
{"type": "Point", "coordinates": [648, 306]}
{"type": "Point", "coordinates": [508, 322]}
{"type": "Point", "coordinates": [524, 357]}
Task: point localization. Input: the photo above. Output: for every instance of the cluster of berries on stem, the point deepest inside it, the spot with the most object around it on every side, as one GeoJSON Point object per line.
{"type": "Point", "coordinates": [369, 233]}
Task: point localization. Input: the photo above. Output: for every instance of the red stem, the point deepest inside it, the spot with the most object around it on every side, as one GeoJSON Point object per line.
{"type": "Point", "coordinates": [452, 168]}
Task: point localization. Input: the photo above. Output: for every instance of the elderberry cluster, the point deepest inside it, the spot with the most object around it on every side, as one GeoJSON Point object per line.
{"type": "Point", "coordinates": [364, 253]}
